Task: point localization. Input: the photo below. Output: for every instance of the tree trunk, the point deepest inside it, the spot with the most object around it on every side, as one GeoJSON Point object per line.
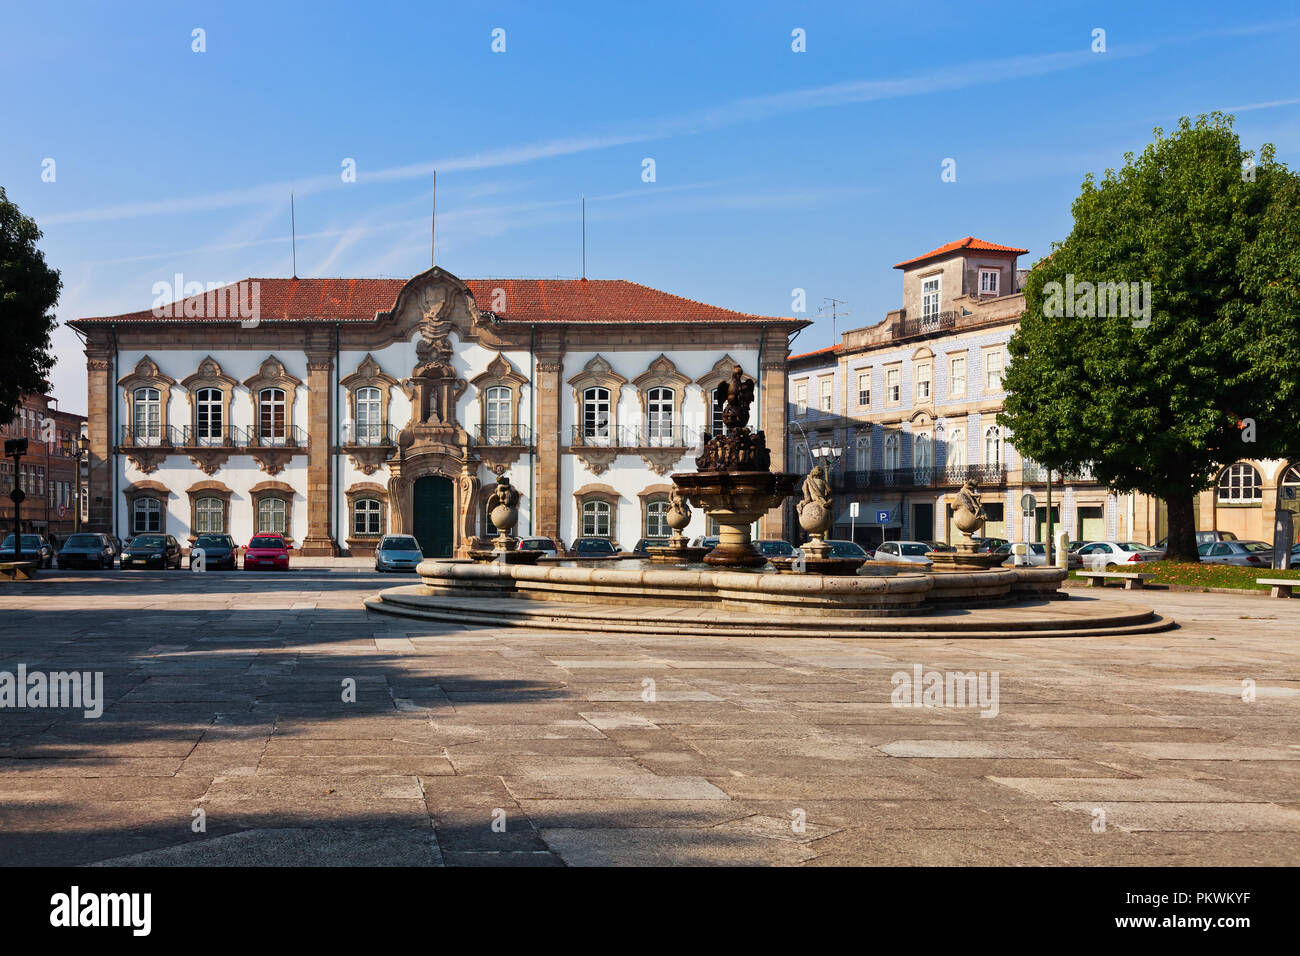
{"type": "Point", "coordinates": [1182, 529]}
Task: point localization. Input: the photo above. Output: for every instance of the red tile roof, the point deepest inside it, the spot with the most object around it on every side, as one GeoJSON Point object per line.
{"type": "Point", "coordinates": [970, 242]}
{"type": "Point", "coordinates": [586, 301]}
{"type": "Point", "coordinates": [826, 351]}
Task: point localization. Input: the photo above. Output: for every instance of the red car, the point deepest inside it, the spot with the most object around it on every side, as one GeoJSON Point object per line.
{"type": "Point", "coordinates": [267, 551]}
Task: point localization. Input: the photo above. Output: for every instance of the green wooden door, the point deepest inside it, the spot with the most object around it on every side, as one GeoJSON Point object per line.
{"type": "Point", "coordinates": [433, 515]}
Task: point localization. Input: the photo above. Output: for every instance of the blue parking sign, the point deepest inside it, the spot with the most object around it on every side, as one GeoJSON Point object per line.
{"type": "Point", "coordinates": [882, 517]}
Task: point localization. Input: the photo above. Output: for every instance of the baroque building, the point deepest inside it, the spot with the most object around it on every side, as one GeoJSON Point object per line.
{"type": "Point", "coordinates": [339, 410]}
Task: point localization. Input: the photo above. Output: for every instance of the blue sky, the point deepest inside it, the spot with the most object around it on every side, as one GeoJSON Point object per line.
{"type": "Point", "coordinates": [775, 170]}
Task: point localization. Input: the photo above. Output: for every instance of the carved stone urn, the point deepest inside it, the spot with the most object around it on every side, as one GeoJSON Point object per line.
{"type": "Point", "coordinates": [816, 519]}
{"type": "Point", "coordinates": [678, 549]}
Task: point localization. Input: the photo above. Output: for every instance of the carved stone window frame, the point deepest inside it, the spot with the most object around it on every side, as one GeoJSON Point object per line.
{"type": "Point", "coordinates": [147, 374]}
{"type": "Point", "coordinates": [272, 374]}
{"type": "Point", "coordinates": [273, 489]}
{"type": "Point", "coordinates": [210, 375]}
{"type": "Point", "coordinates": [662, 373]}
{"type": "Point", "coordinates": [369, 374]}
{"type": "Point", "coordinates": [711, 379]}
{"type": "Point", "coordinates": [364, 490]}
{"type": "Point", "coordinates": [146, 489]}
{"type": "Point", "coordinates": [208, 489]}
{"type": "Point", "coordinates": [500, 373]}
{"type": "Point", "coordinates": [597, 492]}
{"type": "Point", "coordinates": [650, 495]}
{"type": "Point", "coordinates": [598, 373]}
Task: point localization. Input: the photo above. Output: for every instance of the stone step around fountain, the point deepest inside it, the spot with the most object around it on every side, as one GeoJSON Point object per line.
{"type": "Point", "coordinates": [1079, 617]}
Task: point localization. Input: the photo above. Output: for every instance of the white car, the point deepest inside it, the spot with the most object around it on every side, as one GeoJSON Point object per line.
{"type": "Point", "coordinates": [1104, 555]}
{"type": "Point", "coordinates": [1037, 557]}
{"type": "Point", "coordinates": [903, 552]}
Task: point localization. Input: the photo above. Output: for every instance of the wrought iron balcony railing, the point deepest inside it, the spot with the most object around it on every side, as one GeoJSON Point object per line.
{"type": "Point", "coordinates": [508, 436]}
{"type": "Point", "coordinates": [924, 324]}
{"type": "Point", "coordinates": [921, 476]}
{"type": "Point", "coordinates": [183, 436]}
{"type": "Point", "coordinates": [368, 435]}
{"type": "Point", "coordinates": [633, 436]}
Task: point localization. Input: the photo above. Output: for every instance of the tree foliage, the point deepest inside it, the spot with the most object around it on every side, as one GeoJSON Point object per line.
{"type": "Point", "coordinates": [29, 290]}
{"type": "Point", "coordinates": [1159, 407]}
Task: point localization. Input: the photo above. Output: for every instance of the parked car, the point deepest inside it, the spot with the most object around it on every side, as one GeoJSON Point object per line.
{"type": "Point", "coordinates": [152, 551]}
{"type": "Point", "coordinates": [938, 546]}
{"type": "Point", "coordinates": [706, 541]}
{"type": "Point", "coordinates": [1037, 555]}
{"type": "Point", "coordinates": [1244, 554]}
{"type": "Point", "coordinates": [774, 548]}
{"type": "Point", "coordinates": [988, 545]}
{"type": "Point", "coordinates": [843, 548]}
{"type": "Point", "coordinates": [548, 546]}
{"type": "Point", "coordinates": [395, 552]}
{"type": "Point", "coordinates": [35, 548]}
{"type": "Point", "coordinates": [87, 550]}
{"type": "Point", "coordinates": [219, 551]}
{"type": "Point", "coordinates": [1105, 555]}
{"type": "Point", "coordinates": [593, 547]}
{"type": "Point", "coordinates": [267, 551]}
{"type": "Point", "coordinates": [644, 543]}
{"type": "Point", "coordinates": [902, 552]}
{"type": "Point", "coordinates": [1202, 537]}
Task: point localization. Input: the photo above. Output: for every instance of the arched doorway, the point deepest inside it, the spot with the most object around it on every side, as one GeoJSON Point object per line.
{"type": "Point", "coordinates": [432, 515]}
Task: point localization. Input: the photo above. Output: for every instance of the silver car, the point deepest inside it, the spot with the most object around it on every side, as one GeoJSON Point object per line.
{"type": "Point", "coordinates": [1102, 555]}
{"type": "Point", "coordinates": [902, 552]}
{"type": "Point", "coordinates": [397, 552]}
{"type": "Point", "coordinates": [1036, 558]}
{"type": "Point", "coordinates": [1243, 554]}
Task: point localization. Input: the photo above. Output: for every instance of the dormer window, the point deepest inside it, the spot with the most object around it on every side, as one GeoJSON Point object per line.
{"type": "Point", "coordinates": [930, 299]}
{"type": "Point", "coordinates": [989, 281]}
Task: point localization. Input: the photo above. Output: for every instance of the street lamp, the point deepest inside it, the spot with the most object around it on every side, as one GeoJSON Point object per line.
{"type": "Point", "coordinates": [83, 449]}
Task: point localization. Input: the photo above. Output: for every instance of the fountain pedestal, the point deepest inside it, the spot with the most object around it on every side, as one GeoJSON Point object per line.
{"type": "Point", "coordinates": [735, 500]}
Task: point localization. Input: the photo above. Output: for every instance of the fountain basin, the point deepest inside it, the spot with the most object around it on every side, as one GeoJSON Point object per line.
{"type": "Point", "coordinates": [736, 499]}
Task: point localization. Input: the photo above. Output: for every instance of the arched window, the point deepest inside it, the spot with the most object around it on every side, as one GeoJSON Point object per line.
{"type": "Point", "coordinates": [596, 519]}
{"type": "Point", "coordinates": [148, 416]}
{"type": "Point", "coordinates": [1240, 484]}
{"type": "Point", "coordinates": [957, 451]}
{"type": "Point", "coordinates": [369, 416]}
{"type": "Point", "coordinates": [922, 455]}
{"type": "Point", "coordinates": [893, 446]}
{"type": "Point", "coordinates": [656, 519]}
{"type": "Point", "coordinates": [993, 445]}
{"type": "Point", "coordinates": [862, 452]}
{"type": "Point", "coordinates": [500, 414]}
{"type": "Point", "coordinates": [659, 416]}
{"type": "Point", "coordinates": [272, 426]}
{"type": "Point", "coordinates": [595, 416]}
{"type": "Point", "coordinates": [147, 516]}
{"type": "Point", "coordinates": [271, 513]}
{"type": "Point", "coordinates": [209, 516]}
{"type": "Point", "coordinates": [367, 517]}
{"type": "Point", "coordinates": [209, 416]}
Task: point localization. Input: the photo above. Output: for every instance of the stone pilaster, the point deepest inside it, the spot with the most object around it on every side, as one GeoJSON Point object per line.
{"type": "Point", "coordinates": [320, 363]}
{"type": "Point", "coordinates": [549, 392]}
{"type": "Point", "coordinates": [775, 524]}
{"type": "Point", "coordinates": [99, 400]}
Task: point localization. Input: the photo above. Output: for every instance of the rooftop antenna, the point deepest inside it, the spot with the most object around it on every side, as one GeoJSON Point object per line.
{"type": "Point", "coordinates": [293, 235]}
{"type": "Point", "coordinates": [835, 313]}
{"type": "Point", "coordinates": [584, 235]}
{"type": "Point", "coordinates": [433, 223]}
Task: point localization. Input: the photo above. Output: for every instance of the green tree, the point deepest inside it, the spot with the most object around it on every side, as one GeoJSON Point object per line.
{"type": "Point", "coordinates": [29, 290]}
{"type": "Point", "coordinates": [1205, 370]}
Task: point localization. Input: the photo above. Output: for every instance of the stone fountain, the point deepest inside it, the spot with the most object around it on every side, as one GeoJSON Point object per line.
{"type": "Point", "coordinates": [733, 481]}
{"type": "Point", "coordinates": [678, 550]}
{"type": "Point", "coordinates": [503, 505]}
{"type": "Point", "coordinates": [969, 519]}
{"type": "Point", "coordinates": [816, 516]}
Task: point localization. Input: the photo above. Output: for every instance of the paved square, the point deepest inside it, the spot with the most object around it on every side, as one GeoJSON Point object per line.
{"type": "Point", "coordinates": [224, 693]}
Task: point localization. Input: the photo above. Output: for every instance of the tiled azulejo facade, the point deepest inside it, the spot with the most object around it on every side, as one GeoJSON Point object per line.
{"type": "Point", "coordinates": [346, 409]}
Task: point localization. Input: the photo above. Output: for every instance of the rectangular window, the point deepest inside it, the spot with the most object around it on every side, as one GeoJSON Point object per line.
{"type": "Point", "coordinates": [864, 388]}
{"type": "Point", "coordinates": [989, 281]}
{"type": "Point", "coordinates": [923, 381]}
{"type": "Point", "coordinates": [957, 375]}
{"type": "Point", "coordinates": [893, 388]}
{"type": "Point", "coordinates": [992, 371]}
{"type": "Point", "coordinates": [930, 300]}
{"type": "Point", "coordinates": [801, 398]}
{"type": "Point", "coordinates": [824, 390]}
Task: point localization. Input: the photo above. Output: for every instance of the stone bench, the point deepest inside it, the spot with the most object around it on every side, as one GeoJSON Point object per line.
{"type": "Point", "coordinates": [18, 570]}
{"type": "Point", "coordinates": [1132, 581]}
{"type": "Point", "coordinates": [1280, 587]}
